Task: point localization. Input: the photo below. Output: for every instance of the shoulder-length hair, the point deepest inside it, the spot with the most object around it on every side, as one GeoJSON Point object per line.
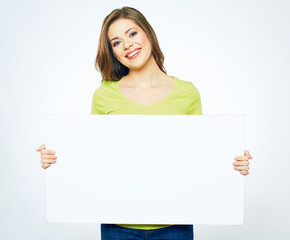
{"type": "Point", "coordinates": [106, 63]}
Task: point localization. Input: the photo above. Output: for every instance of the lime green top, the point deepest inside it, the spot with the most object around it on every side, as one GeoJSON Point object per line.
{"type": "Point", "coordinates": [183, 99]}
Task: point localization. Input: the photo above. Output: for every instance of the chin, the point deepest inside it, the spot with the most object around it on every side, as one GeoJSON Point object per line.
{"type": "Point", "coordinates": [135, 66]}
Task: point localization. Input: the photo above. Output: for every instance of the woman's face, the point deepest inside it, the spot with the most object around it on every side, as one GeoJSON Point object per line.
{"type": "Point", "coordinates": [129, 43]}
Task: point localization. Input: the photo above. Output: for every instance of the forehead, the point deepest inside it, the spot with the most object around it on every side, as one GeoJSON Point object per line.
{"type": "Point", "coordinates": [120, 26]}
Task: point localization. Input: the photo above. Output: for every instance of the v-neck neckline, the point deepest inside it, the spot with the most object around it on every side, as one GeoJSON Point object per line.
{"type": "Point", "coordinates": [161, 100]}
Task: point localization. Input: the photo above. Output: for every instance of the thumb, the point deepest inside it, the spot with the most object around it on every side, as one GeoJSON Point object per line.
{"type": "Point", "coordinates": [40, 148]}
{"type": "Point", "coordinates": [246, 153]}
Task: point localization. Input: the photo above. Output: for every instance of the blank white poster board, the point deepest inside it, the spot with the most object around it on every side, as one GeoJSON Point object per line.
{"type": "Point", "coordinates": [145, 169]}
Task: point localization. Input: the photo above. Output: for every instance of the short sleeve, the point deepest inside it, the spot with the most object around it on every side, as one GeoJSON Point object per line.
{"type": "Point", "coordinates": [194, 102]}
{"type": "Point", "coordinates": [98, 103]}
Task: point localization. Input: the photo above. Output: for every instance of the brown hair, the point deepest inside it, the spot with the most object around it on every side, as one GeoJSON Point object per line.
{"type": "Point", "coordinates": [106, 63]}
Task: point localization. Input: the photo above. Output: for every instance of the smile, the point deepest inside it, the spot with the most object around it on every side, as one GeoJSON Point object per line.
{"type": "Point", "coordinates": [134, 54]}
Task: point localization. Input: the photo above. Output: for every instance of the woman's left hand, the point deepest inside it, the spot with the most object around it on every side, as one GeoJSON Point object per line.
{"type": "Point", "coordinates": [242, 163]}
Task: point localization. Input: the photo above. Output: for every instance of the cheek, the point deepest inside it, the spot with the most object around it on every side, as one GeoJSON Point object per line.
{"type": "Point", "coordinates": [145, 42]}
{"type": "Point", "coordinates": [116, 53]}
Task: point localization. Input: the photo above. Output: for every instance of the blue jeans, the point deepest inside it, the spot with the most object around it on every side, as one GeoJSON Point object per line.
{"type": "Point", "coordinates": [174, 232]}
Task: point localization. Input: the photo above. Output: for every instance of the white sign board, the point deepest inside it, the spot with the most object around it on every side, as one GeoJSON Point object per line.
{"type": "Point", "coordinates": [145, 169]}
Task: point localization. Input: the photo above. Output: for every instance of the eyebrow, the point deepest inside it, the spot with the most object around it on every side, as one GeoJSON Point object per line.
{"type": "Point", "coordinates": [125, 33]}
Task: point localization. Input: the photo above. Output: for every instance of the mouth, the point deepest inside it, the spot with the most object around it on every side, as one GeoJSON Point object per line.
{"type": "Point", "coordinates": [133, 54]}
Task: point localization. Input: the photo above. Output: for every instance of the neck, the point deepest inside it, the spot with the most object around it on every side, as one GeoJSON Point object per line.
{"type": "Point", "coordinates": [148, 76]}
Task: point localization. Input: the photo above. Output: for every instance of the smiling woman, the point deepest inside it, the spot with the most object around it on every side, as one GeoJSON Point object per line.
{"type": "Point", "coordinates": [130, 34]}
{"type": "Point", "coordinates": [122, 28]}
{"type": "Point", "coordinates": [134, 81]}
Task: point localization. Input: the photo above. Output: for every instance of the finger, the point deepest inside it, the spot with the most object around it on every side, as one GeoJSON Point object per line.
{"type": "Point", "coordinates": [247, 153]}
{"type": "Point", "coordinates": [242, 168]}
{"type": "Point", "coordinates": [46, 151]}
{"type": "Point", "coordinates": [51, 156]}
{"type": "Point", "coordinates": [41, 147]}
{"type": "Point", "coordinates": [241, 163]}
{"type": "Point", "coordinates": [243, 158]}
{"type": "Point", "coordinates": [244, 172]}
{"type": "Point", "coordinates": [46, 165]}
{"type": "Point", "coordinates": [47, 161]}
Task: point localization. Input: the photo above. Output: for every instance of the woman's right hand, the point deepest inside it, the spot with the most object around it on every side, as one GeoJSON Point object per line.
{"type": "Point", "coordinates": [47, 156]}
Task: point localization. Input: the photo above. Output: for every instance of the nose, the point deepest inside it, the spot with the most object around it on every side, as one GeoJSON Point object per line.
{"type": "Point", "coordinates": [127, 44]}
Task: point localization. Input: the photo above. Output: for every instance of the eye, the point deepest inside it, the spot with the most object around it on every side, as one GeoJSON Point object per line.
{"type": "Point", "coordinates": [133, 33]}
{"type": "Point", "coordinates": [115, 44]}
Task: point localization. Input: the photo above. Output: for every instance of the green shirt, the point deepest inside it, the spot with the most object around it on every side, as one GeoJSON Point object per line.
{"type": "Point", "coordinates": [183, 99]}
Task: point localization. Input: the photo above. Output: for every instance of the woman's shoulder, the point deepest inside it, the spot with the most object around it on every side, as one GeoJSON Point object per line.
{"type": "Point", "coordinates": [103, 95]}
{"type": "Point", "coordinates": [192, 96]}
{"type": "Point", "coordinates": [185, 85]}
{"type": "Point", "coordinates": [109, 84]}
{"type": "Point", "coordinates": [106, 87]}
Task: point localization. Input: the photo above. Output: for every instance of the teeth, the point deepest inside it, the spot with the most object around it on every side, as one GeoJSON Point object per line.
{"type": "Point", "coordinates": [133, 53]}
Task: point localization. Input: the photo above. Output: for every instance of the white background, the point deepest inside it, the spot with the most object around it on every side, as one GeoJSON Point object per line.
{"type": "Point", "coordinates": [235, 52]}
